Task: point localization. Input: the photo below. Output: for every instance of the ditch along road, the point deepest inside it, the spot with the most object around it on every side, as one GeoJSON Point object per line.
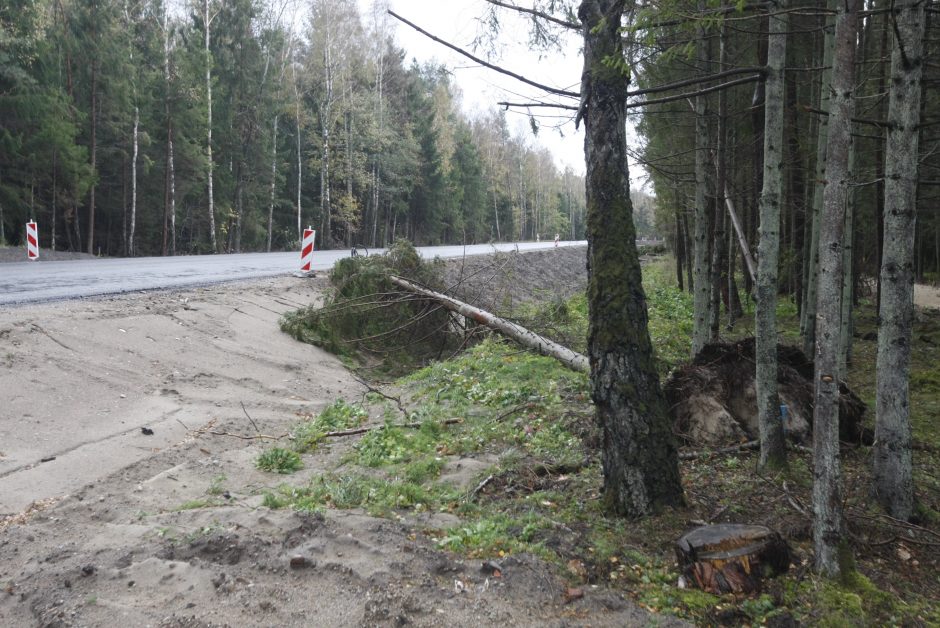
{"type": "Point", "coordinates": [129, 426]}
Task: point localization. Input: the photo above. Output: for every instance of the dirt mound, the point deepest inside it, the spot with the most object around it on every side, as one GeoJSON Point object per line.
{"type": "Point", "coordinates": [501, 282]}
{"type": "Point", "coordinates": [713, 399]}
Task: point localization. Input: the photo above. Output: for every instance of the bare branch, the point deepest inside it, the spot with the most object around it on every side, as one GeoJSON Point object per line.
{"type": "Point", "coordinates": [538, 14]}
{"type": "Point", "coordinates": [707, 90]}
{"type": "Point", "coordinates": [537, 104]}
{"type": "Point", "coordinates": [486, 64]}
{"type": "Point", "coordinates": [698, 79]}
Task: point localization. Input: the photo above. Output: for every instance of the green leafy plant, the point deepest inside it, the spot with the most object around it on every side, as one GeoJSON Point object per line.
{"type": "Point", "coordinates": [278, 460]}
{"type": "Point", "coordinates": [338, 416]}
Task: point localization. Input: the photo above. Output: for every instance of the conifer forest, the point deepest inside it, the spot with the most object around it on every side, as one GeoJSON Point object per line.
{"type": "Point", "coordinates": [159, 128]}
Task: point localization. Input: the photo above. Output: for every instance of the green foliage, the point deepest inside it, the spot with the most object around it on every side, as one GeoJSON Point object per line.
{"type": "Point", "coordinates": [337, 416]}
{"type": "Point", "coordinates": [278, 460]}
{"type": "Point", "coordinates": [365, 314]}
{"type": "Point", "coordinates": [378, 496]}
{"type": "Point", "coordinates": [440, 176]}
{"type": "Point", "coordinates": [670, 317]}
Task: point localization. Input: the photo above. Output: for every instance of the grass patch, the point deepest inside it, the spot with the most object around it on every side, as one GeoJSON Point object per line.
{"type": "Point", "coordinates": [338, 416]}
{"type": "Point", "coordinates": [279, 460]}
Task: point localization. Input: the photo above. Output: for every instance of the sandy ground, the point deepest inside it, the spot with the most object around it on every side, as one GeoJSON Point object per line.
{"type": "Point", "coordinates": [101, 524]}
{"type": "Point", "coordinates": [927, 296]}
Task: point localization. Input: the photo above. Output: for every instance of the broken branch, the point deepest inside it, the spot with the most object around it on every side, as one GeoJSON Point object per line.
{"type": "Point", "coordinates": [573, 360]}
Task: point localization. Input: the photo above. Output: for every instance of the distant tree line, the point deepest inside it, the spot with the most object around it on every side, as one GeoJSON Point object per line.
{"type": "Point", "coordinates": [132, 127]}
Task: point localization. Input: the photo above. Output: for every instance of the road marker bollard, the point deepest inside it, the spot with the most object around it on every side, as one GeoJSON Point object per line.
{"type": "Point", "coordinates": [32, 240]}
{"type": "Point", "coordinates": [306, 250]}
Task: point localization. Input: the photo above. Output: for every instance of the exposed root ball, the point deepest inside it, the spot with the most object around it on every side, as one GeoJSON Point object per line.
{"type": "Point", "coordinates": [713, 399]}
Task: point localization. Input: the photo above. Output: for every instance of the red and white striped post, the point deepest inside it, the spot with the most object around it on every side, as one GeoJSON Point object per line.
{"type": "Point", "coordinates": [306, 250]}
{"type": "Point", "coordinates": [32, 240]}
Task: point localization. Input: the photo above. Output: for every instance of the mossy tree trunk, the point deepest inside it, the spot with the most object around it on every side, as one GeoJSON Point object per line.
{"type": "Point", "coordinates": [892, 456]}
{"type": "Point", "coordinates": [640, 460]}
{"type": "Point", "coordinates": [828, 525]}
{"type": "Point", "coordinates": [772, 444]}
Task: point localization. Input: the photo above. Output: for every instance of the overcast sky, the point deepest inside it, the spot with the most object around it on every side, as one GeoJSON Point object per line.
{"type": "Point", "coordinates": [457, 21]}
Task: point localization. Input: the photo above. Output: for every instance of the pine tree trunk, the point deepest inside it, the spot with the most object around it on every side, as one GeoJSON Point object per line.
{"type": "Point", "coordinates": [828, 525]}
{"type": "Point", "coordinates": [773, 449]}
{"type": "Point", "coordinates": [300, 228]}
{"type": "Point", "coordinates": [94, 156]}
{"type": "Point", "coordinates": [808, 316]}
{"type": "Point", "coordinates": [54, 201]}
{"type": "Point", "coordinates": [701, 286]}
{"type": "Point", "coordinates": [848, 252]}
{"type": "Point", "coordinates": [640, 460]}
{"type": "Point", "coordinates": [892, 454]}
{"type": "Point", "coordinates": [719, 243]}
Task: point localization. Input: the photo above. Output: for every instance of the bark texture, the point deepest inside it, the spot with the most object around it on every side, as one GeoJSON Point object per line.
{"type": "Point", "coordinates": [892, 455]}
{"type": "Point", "coordinates": [773, 447]}
{"type": "Point", "coordinates": [209, 164]}
{"type": "Point", "coordinates": [640, 460]}
{"type": "Point", "coordinates": [701, 288]}
{"type": "Point", "coordinates": [808, 316]}
{"type": "Point", "coordinates": [828, 525]}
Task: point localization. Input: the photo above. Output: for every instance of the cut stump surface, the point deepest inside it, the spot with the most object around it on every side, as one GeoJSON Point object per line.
{"type": "Point", "coordinates": [731, 558]}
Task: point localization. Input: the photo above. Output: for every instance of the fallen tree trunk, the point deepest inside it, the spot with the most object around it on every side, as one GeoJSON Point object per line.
{"type": "Point", "coordinates": [573, 360]}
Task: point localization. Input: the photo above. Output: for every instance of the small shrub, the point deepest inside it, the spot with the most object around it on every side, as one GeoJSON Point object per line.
{"type": "Point", "coordinates": [366, 316]}
{"type": "Point", "coordinates": [278, 460]}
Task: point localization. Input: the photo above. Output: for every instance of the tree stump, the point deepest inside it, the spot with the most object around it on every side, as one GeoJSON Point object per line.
{"type": "Point", "coordinates": [731, 558]}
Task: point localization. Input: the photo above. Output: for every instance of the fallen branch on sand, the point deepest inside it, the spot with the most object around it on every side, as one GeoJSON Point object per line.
{"type": "Point", "coordinates": [363, 430]}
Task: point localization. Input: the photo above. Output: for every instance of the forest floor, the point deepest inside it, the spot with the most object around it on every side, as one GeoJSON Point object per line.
{"type": "Point", "coordinates": [488, 514]}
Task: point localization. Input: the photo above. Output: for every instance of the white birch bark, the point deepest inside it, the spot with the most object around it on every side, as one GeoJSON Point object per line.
{"type": "Point", "coordinates": [828, 525]}
{"type": "Point", "coordinates": [773, 450]}
{"type": "Point", "coordinates": [208, 21]}
{"type": "Point", "coordinates": [133, 226]}
{"type": "Point", "coordinates": [273, 181]}
{"type": "Point", "coordinates": [326, 121]}
{"type": "Point", "coordinates": [892, 454]}
{"type": "Point", "coordinates": [170, 210]}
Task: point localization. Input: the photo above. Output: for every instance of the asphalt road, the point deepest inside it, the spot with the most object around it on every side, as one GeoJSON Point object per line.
{"type": "Point", "coordinates": [33, 282]}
